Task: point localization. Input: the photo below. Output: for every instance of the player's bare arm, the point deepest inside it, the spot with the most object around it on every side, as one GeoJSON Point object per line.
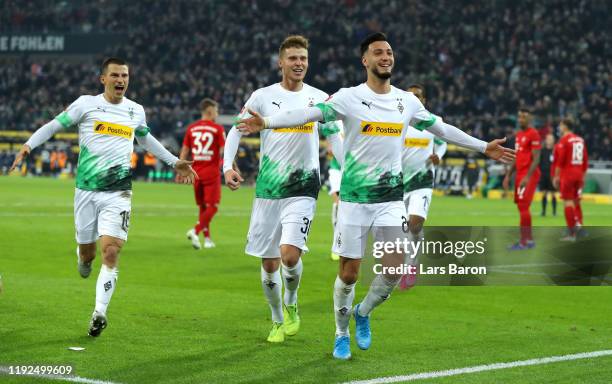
{"type": "Point", "coordinates": [509, 172]}
{"type": "Point", "coordinates": [535, 155]}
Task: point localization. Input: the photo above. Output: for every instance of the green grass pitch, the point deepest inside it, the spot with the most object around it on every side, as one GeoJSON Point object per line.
{"type": "Point", "coordinates": [185, 316]}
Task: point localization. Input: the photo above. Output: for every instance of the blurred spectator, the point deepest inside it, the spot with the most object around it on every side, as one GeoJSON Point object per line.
{"type": "Point", "coordinates": [479, 60]}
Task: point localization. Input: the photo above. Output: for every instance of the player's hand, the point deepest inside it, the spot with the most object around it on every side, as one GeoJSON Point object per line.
{"type": "Point", "coordinates": [496, 151]}
{"type": "Point", "coordinates": [233, 179]}
{"type": "Point", "coordinates": [253, 124]}
{"type": "Point", "coordinates": [186, 174]}
{"type": "Point", "coordinates": [506, 182]}
{"type": "Point", "coordinates": [434, 159]}
{"type": "Point", "coordinates": [556, 182]}
{"type": "Point", "coordinates": [23, 153]}
{"type": "Point", "coordinates": [524, 182]}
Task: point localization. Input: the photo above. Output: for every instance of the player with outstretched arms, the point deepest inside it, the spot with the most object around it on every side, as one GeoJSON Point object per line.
{"type": "Point", "coordinates": [107, 124]}
{"type": "Point", "coordinates": [528, 146]}
{"type": "Point", "coordinates": [570, 163]}
{"type": "Point", "coordinates": [422, 152]}
{"type": "Point", "coordinates": [204, 140]}
{"type": "Point", "coordinates": [375, 117]}
{"type": "Point", "coordinates": [287, 185]}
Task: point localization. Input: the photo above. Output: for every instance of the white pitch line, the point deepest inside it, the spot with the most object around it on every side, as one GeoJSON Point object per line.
{"type": "Point", "coordinates": [482, 368]}
{"type": "Point", "coordinates": [72, 379]}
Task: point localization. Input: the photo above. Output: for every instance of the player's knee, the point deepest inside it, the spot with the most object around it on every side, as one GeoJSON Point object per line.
{"type": "Point", "coordinates": [110, 254]}
{"type": "Point", "coordinates": [290, 255]}
{"type": "Point", "coordinates": [270, 265]}
{"type": "Point", "coordinates": [569, 203]}
{"type": "Point", "coordinates": [87, 252]}
{"type": "Point", "coordinates": [415, 225]}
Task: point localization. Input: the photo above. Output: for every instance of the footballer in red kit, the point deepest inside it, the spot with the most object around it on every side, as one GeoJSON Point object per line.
{"type": "Point", "coordinates": [203, 142]}
{"type": "Point", "coordinates": [528, 146]}
{"type": "Point", "coordinates": [570, 163]}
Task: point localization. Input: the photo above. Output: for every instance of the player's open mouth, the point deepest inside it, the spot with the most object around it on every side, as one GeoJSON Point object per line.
{"type": "Point", "coordinates": [298, 70]}
{"type": "Point", "coordinates": [119, 87]}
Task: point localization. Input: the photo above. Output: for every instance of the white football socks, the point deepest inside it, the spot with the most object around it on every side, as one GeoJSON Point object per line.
{"type": "Point", "coordinates": [271, 285]}
{"type": "Point", "coordinates": [292, 276]}
{"type": "Point", "coordinates": [343, 302]}
{"type": "Point", "coordinates": [380, 290]}
{"type": "Point", "coordinates": [105, 286]}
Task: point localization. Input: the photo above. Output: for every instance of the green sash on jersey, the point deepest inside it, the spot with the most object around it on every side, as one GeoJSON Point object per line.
{"type": "Point", "coordinates": [423, 179]}
{"type": "Point", "coordinates": [360, 186]}
{"type": "Point", "coordinates": [277, 181]}
{"type": "Point", "coordinates": [92, 175]}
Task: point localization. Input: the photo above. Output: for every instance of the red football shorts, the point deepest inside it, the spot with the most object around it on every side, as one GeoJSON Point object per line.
{"type": "Point", "coordinates": [207, 192]}
{"type": "Point", "coordinates": [570, 187]}
{"type": "Point", "coordinates": [525, 194]}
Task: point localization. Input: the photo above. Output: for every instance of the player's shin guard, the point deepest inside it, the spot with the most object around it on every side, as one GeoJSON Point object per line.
{"type": "Point", "coordinates": [105, 286]}
{"type": "Point", "coordinates": [292, 278]}
{"type": "Point", "coordinates": [578, 212]}
{"type": "Point", "coordinates": [209, 213]}
{"type": "Point", "coordinates": [271, 284]}
{"type": "Point", "coordinates": [200, 225]}
{"type": "Point", "coordinates": [343, 302]}
{"type": "Point", "coordinates": [525, 223]}
{"type": "Point", "coordinates": [570, 219]}
{"type": "Point", "coordinates": [380, 290]}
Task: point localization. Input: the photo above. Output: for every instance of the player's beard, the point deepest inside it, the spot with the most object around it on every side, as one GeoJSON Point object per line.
{"type": "Point", "coordinates": [382, 76]}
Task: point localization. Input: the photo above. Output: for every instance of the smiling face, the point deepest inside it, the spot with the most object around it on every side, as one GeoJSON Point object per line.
{"type": "Point", "coordinates": [293, 63]}
{"type": "Point", "coordinates": [115, 78]}
{"type": "Point", "coordinates": [378, 59]}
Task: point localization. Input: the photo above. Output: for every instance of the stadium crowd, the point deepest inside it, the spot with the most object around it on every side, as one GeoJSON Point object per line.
{"type": "Point", "coordinates": [479, 60]}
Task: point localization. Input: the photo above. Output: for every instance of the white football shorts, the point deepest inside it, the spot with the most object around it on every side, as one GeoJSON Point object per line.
{"type": "Point", "coordinates": [356, 220]}
{"type": "Point", "coordinates": [101, 214]}
{"type": "Point", "coordinates": [417, 202]}
{"type": "Point", "coordinates": [275, 222]}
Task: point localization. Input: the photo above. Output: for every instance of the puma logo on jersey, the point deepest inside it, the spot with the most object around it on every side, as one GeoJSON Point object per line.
{"type": "Point", "coordinates": [277, 104]}
{"type": "Point", "coordinates": [377, 128]}
{"type": "Point", "coordinates": [367, 104]}
{"type": "Point", "coordinates": [105, 128]}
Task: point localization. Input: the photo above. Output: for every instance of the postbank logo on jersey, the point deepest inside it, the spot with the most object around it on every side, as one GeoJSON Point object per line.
{"type": "Point", "coordinates": [306, 128]}
{"type": "Point", "coordinates": [377, 128]}
{"type": "Point", "coordinates": [416, 143]}
{"type": "Point", "coordinates": [105, 128]}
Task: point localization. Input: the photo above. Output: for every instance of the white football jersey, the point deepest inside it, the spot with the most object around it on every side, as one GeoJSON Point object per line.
{"type": "Point", "coordinates": [289, 157]}
{"type": "Point", "coordinates": [418, 170]}
{"type": "Point", "coordinates": [374, 129]}
{"type": "Point", "coordinates": [106, 140]}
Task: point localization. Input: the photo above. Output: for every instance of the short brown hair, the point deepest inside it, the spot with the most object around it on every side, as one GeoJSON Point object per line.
{"type": "Point", "coordinates": [293, 41]}
{"type": "Point", "coordinates": [207, 103]}
{"type": "Point", "coordinates": [569, 123]}
{"type": "Point", "coordinates": [111, 60]}
{"type": "Point", "coordinates": [418, 86]}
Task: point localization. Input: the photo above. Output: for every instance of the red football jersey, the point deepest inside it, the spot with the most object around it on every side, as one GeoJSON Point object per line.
{"type": "Point", "coordinates": [526, 141]}
{"type": "Point", "coordinates": [571, 155]}
{"type": "Point", "coordinates": [205, 139]}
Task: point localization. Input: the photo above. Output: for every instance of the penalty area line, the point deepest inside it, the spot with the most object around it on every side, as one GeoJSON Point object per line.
{"type": "Point", "coordinates": [482, 368]}
{"type": "Point", "coordinates": [71, 379]}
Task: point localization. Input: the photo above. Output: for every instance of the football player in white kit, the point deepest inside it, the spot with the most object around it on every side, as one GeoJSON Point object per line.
{"type": "Point", "coordinates": [107, 124]}
{"type": "Point", "coordinates": [375, 117]}
{"type": "Point", "coordinates": [287, 185]}
{"type": "Point", "coordinates": [421, 153]}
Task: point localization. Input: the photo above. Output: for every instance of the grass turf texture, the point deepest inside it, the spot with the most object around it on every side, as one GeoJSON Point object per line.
{"type": "Point", "coordinates": [185, 316]}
